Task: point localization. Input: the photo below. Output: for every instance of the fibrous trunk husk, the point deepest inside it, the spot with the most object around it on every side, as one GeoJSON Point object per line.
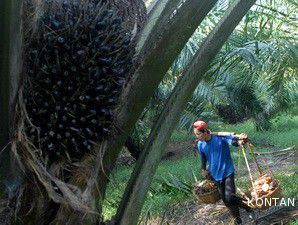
{"type": "Point", "coordinates": [48, 183]}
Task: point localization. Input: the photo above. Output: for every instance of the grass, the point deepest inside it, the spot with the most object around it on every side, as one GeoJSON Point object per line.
{"type": "Point", "coordinates": [294, 222]}
{"type": "Point", "coordinates": [172, 181]}
{"type": "Point", "coordinates": [283, 132]}
{"type": "Point", "coordinates": [289, 180]}
{"type": "Point", "coordinates": [115, 190]}
{"type": "Point", "coordinates": [169, 183]}
{"type": "Point", "coordinates": [161, 193]}
{"type": "Point", "coordinates": [180, 135]}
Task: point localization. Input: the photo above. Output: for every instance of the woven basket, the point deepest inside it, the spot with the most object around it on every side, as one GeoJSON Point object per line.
{"type": "Point", "coordinates": [209, 197]}
{"type": "Point", "coordinates": [277, 193]}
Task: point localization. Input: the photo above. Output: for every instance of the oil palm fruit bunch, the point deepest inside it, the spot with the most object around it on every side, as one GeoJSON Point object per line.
{"type": "Point", "coordinates": [76, 66]}
{"type": "Point", "coordinates": [264, 185]}
{"type": "Point", "coordinates": [204, 187]}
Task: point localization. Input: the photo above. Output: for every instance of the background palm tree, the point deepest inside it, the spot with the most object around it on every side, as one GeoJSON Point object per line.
{"type": "Point", "coordinates": [254, 75]}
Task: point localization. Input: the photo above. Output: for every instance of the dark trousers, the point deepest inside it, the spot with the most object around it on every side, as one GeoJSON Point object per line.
{"type": "Point", "coordinates": [227, 190]}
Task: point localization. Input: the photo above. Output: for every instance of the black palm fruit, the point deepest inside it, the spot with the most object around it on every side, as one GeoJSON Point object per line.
{"type": "Point", "coordinates": [76, 64]}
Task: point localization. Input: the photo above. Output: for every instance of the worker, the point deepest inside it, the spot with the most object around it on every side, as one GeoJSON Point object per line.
{"type": "Point", "coordinates": [215, 150]}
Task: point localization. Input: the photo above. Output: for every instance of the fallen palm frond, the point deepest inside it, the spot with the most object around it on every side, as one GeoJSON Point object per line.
{"type": "Point", "coordinates": [292, 148]}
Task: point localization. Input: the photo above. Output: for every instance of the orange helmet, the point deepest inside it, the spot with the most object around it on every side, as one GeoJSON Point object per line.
{"type": "Point", "coordinates": [200, 125]}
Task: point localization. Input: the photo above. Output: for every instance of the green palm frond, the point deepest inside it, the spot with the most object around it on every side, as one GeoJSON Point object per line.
{"type": "Point", "coordinates": [253, 76]}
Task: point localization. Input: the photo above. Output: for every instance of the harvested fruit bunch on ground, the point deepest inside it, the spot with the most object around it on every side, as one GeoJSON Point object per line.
{"type": "Point", "coordinates": [264, 185]}
{"type": "Point", "coordinates": [204, 187]}
{"type": "Point", "coordinates": [76, 66]}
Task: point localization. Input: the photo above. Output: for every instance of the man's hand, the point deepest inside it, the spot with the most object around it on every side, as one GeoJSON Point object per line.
{"type": "Point", "coordinates": [242, 138]}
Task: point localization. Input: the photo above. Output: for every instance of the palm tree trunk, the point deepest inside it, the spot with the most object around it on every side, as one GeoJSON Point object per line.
{"type": "Point", "coordinates": [133, 147]}
{"type": "Point", "coordinates": [165, 41]}
{"type": "Point", "coordinates": [5, 18]}
{"type": "Point", "coordinates": [165, 44]}
{"type": "Point", "coordinates": [10, 65]}
{"type": "Point", "coordinates": [132, 201]}
{"type": "Point", "coordinates": [14, 81]}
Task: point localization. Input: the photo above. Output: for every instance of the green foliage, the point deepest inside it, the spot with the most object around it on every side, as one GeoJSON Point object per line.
{"type": "Point", "coordinates": [254, 75]}
{"type": "Point", "coordinates": [181, 135]}
{"type": "Point", "coordinates": [294, 222]}
{"type": "Point", "coordinates": [290, 183]}
{"type": "Point", "coordinates": [283, 132]}
{"type": "Point", "coordinates": [115, 190]}
{"type": "Point", "coordinates": [171, 184]}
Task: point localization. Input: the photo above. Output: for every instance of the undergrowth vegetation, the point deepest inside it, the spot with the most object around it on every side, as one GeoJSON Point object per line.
{"type": "Point", "coordinates": [173, 180]}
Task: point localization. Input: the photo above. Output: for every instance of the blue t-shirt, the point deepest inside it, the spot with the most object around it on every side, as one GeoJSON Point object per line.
{"type": "Point", "coordinates": [218, 155]}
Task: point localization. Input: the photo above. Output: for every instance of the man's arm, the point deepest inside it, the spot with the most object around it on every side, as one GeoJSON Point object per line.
{"type": "Point", "coordinates": [205, 172]}
{"type": "Point", "coordinates": [236, 141]}
{"type": "Point", "coordinates": [203, 161]}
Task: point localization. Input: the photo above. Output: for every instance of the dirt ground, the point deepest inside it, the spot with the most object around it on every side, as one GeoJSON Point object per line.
{"type": "Point", "coordinates": [174, 151]}
{"type": "Point", "coordinates": [194, 213]}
